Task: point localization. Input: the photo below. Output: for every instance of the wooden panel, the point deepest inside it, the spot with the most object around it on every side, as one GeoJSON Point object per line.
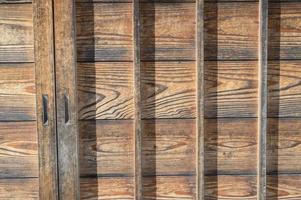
{"type": "Point", "coordinates": [168, 90]}
{"type": "Point", "coordinates": [168, 147]}
{"type": "Point", "coordinates": [16, 41]}
{"type": "Point", "coordinates": [107, 188]}
{"type": "Point", "coordinates": [105, 90]}
{"type": "Point", "coordinates": [231, 89]}
{"type": "Point", "coordinates": [231, 31]}
{"type": "Point", "coordinates": [15, 189]}
{"type": "Point", "coordinates": [285, 30]}
{"type": "Point", "coordinates": [104, 32]}
{"type": "Point", "coordinates": [230, 146]}
{"type": "Point", "coordinates": [284, 145]}
{"type": "Point", "coordinates": [230, 187]}
{"type": "Point", "coordinates": [18, 150]}
{"type": "Point", "coordinates": [168, 31]}
{"type": "Point", "coordinates": [106, 147]}
{"type": "Point", "coordinates": [17, 92]}
{"type": "Point", "coordinates": [169, 187]}
{"type": "Point", "coordinates": [284, 89]}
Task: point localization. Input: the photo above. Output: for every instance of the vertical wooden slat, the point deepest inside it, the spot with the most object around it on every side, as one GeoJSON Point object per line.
{"type": "Point", "coordinates": [137, 100]}
{"type": "Point", "coordinates": [45, 94]}
{"type": "Point", "coordinates": [200, 99]}
{"type": "Point", "coordinates": [263, 98]}
{"type": "Point", "coordinates": [66, 97]}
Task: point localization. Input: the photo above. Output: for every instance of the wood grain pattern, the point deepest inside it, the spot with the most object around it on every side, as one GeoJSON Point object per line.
{"type": "Point", "coordinates": [230, 146]}
{"type": "Point", "coordinates": [107, 188]}
{"type": "Point", "coordinates": [284, 89]}
{"type": "Point", "coordinates": [15, 1]}
{"type": "Point", "coordinates": [231, 31]}
{"type": "Point", "coordinates": [168, 31]}
{"type": "Point", "coordinates": [168, 147]}
{"type": "Point", "coordinates": [106, 147]}
{"type": "Point", "coordinates": [17, 92]}
{"type": "Point", "coordinates": [16, 35]}
{"type": "Point", "coordinates": [284, 30]}
{"type": "Point", "coordinates": [104, 32]}
{"type": "Point", "coordinates": [169, 187]}
{"type": "Point", "coordinates": [231, 89]}
{"type": "Point", "coordinates": [168, 90]}
{"type": "Point", "coordinates": [284, 145]}
{"type": "Point", "coordinates": [105, 90]}
{"type": "Point", "coordinates": [18, 149]}
{"type": "Point", "coordinates": [231, 187]}
{"type": "Point", "coordinates": [17, 189]}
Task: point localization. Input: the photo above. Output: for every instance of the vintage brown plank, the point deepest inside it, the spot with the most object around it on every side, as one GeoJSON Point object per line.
{"type": "Point", "coordinates": [18, 149]}
{"type": "Point", "coordinates": [16, 41]}
{"type": "Point", "coordinates": [168, 31]}
{"type": "Point", "coordinates": [105, 90]}
{"type": "Point", "coordinates": [230, 146]}
{"type": "Point", "coordinates": [231, 31]}
{"type": "Point", "coordinates": [284, 145]}
{"type": "Point", "coordinates": [66, 98]}
{"type": "Point", "coordinates": [26, 188]}
{"type": "Point", "coordinates": [45, 98]}
{"type": "Point", "coordinates": [284, 187]}
{"type": "Point", "coordinates": [285, 30]}
{"type": "Point", "coordinates": [168, 89]}
{"type": "Point", "coordinates": [169, 187]}
{"type": "Point", "coordinates": [168, 147]}
{"type": "Point", "coordinates": [106, 147]}
{"type": "Point", "coordinates": [104, 32]}
{"type": "Point", "coordinates": [17, 92]}
{"type": "Point", "coordinates": [230, 187]}
{"type": "Point", "coordinates": [284, 89]}
{"type": "Point", "coordinates": [107, 188]}
{"type": "Point", "coordinates": [231, 89]}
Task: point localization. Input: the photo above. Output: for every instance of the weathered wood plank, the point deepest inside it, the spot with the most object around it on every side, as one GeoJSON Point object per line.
{"type": "Point", "coordinates": [231, 31]}
{"type": "Point", "coordinates": [45, 98]}
{"type": "Point", "coordinates": [66, 98]}
{"type": "Point", "coordinates": [104, 32]}
{"type": "Point", "coordinates": [18, 149]}
{"type": "Point", "coordinates": [169, 187]}
{"type": "Point", "coordinates": [168, 31]}
{"type": "Point", "coordinates": [284, 89]}
{"type": "Point", "coordinates": [263, 100]}
{"type": "Point", "coordinates": [285, 30]}
{"type": "Point", "coordinates": [168, 147]}
{"type": "Point", "coordinates": [105, 90]}
{"type": "Point", "coordinates": [230, 187]}
{"type": "Point", "coordinates": [106, 147]}
{"type": "Point", "coordinates": [16, 41]}
{"type": "Point", "coordinates": [231, 89]}
{"type": "Point", "coordinates": [168, 89]}
{"type": "Point", "coordinates": [26, 188]}
{"type": "Point", "coordinates": [107, 188]}
{"type": "Point", "coordinates": [230, 144]}
{"type": "Point", "coordinates": [17, 92]}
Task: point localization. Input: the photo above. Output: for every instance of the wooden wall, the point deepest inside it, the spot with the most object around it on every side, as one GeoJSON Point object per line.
{"type": "Point", "coordinates": [18, 134]}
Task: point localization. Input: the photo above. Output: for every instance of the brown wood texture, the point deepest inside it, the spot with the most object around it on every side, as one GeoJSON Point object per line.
{"type": "Point", "coordinates": [17, 92]}
{"type": "Point", "coordinates": [66, 98]}
{"type": "Point", "coordinates": [16, 41]}
{"type": "Point", "coordinates": [24, 188]}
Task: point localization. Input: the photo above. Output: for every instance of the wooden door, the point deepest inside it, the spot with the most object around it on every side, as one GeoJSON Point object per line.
{"type": "Point", "coordinates": [142, 99]}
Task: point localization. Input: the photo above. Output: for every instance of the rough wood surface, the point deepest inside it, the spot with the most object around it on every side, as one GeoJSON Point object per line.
{"type": "Point", "coordinates": [168, 89]}
{"type": "Point", "coordinates": [18, 150]}
{"type": "Point", "coordinates": [106, 148]}
{"type": "Point", "coordinates": [66, 98]}
{"type": "Point", "coordinates": [17, 92]}
{"type": "Point", "coordinates": [13, 189]}
{"type": "Point", "coordinates": [168, 31]}
{"type": "Point", "coordinates": [105, 90]}
{"type": "Point", "coordinates": [231, 89]}
{"type": "Point", "coordinates": [16, 35]}
{"type": "Point", "coordinates": [104, 32]}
